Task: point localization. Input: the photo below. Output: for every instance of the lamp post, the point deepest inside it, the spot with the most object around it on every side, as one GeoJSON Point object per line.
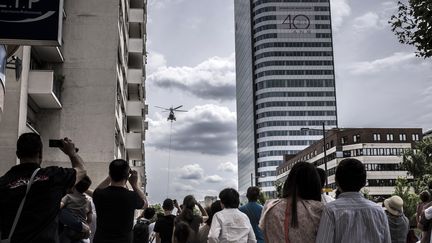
{"type": "Point", "coordinates": [324, 148]}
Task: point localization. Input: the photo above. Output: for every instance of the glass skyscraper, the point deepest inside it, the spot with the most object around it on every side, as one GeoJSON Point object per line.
{"type": "Point", "coordinates": [285, 82]}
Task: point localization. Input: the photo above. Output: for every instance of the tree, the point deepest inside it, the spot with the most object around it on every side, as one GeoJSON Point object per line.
{"type": "Point", "coordinates": [418, 163]}
{"type": "Point", "coordinates": [403, 190]}
{"type": "Point", "coordinates": [413, 25]}
{"type": "Point", "coordinates": [279, 189]}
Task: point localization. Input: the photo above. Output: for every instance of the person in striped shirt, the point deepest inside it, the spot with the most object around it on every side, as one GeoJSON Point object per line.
{"type": "Point", "coordinates": [352, 218]}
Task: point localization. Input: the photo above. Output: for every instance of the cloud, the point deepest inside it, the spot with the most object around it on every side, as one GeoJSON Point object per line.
{"type": "Point", "coordinates": [212, 79]}
{"type": "Point", "coordinates": [391, 62]}
{"type": "Point", "coordinates": [193, 23]}
{"type": "Point", "coordinates": [228, 167]}
{"type": "Point", "coordinates": [367, 21]}
{"type": "Point", "coordinates": [214, 179]}
{"type": "Point", "coordinates": [191, 172]}
{"type": "Point", "coordinates": [155, 60]}
{"type": "Point", "coordinates": [207, 129]}
{"type": "Point", "coordinates": [158, 4]}
{"type": "Point", "coordinates": [339, 9]}
{"type": "Point", "coordinates": [181, 187]}
{"type": "Point", "coordinates": [232, 183]}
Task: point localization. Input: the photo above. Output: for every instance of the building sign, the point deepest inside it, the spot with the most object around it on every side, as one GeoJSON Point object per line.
{"type": "Point", "coordinates": [297, 21]}
{"type": "Point", "coordinates": [31, 22]}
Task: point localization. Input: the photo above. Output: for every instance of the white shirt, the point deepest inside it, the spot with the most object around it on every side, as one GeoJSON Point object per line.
{"type": "Point", "coordinates": [428, 213]}
{"type": "Point", "coordinates": [231, 225]}
{"type": "Point", "coordinates": [326, 198]}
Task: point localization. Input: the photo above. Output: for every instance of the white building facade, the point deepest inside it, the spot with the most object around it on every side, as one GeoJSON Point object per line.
{"type": "Point", "coordinates": [91, 89]}
{"type": "Point", "coordinates": [379, 149]}
{"type": "Point", "coordinates": [285, 82]}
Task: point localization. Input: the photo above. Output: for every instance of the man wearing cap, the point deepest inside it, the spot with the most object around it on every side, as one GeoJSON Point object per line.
{"type": "Point", "coordinates": [398, 222]}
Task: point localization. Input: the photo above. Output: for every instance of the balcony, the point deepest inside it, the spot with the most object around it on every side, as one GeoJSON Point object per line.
{"type": "Point", "coordinates": [134, 146]}
{"type": "Point", "coordinates": [44, 89]}
{"type": "Point", "coordinates": [136, 15]}
{"type": "Point", "coordinates": [134, 116]}
{"type": "Point", "coordinates": [51, 54]}
{"type": "Point", "coordinates": [137, 3]}
{"type": "Point", "coordinates": [135, 76]}
{"type": "Point", "coordinates": [134, 108]}
{"type": "Point", "coordinates": [136, 45]}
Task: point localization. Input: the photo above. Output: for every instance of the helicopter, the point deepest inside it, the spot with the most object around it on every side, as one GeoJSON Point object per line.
{"type": "Point", "coordinates": [171, 116]}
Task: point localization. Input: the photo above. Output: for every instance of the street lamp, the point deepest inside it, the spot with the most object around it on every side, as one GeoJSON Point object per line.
{"type": "Point", "coordinates": [255, 177]}
{"type": "Point", "coordinates": [325, 150]}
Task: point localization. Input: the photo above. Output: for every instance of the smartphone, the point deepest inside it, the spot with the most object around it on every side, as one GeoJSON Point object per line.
{"type": "Point", "coordinates": [57, 143]}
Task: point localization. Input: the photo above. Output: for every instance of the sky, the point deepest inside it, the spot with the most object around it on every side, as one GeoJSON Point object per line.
{"type": "Point", "coordinates": [191, 62]}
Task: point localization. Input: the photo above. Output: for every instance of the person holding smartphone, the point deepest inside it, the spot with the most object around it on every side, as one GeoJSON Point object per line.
{"type": "Point", "coordinates": [115, 204]}
{"type": "Point", "coordinates": [37, 221]}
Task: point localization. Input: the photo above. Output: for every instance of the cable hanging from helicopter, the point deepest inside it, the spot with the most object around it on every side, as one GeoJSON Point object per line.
{"type": "Point", "coordinates": [171, 117]}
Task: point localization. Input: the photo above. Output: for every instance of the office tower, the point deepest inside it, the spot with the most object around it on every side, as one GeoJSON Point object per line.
{"type": "Point", "coordinates": [285, 82]}
{"type": "Point", "coordinates": [90, 89]}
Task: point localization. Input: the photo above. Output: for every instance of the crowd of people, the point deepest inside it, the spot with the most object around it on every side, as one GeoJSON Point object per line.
{"type": "Point", "coordinates": [55, 205]}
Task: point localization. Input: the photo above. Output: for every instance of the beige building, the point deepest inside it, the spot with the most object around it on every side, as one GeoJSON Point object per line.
{"type": "Point", "coordinates": [379, 149]}
{"type": "Point", "coordinates": [91, 89]}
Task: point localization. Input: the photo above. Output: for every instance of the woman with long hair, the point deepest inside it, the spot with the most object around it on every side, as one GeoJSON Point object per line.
{"type": "Point", "coordinates": [295, 217]}
{"type": "Point", "coordinates": [204, 230]}
{"type": "Point", "coordinates": [192, 220]}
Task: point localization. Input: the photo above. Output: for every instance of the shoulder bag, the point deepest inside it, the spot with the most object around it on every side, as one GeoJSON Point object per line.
{"type": "Point", "coordinates": [18, 214]}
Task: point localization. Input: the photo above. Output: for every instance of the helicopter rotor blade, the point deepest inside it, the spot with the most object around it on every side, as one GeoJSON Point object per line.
{"type": "Point", "coordinates": [178, 107]}
{"type": "Point", "coordinates": [162, 108]}
{"type": "Point", "coordinates": [181, 111]}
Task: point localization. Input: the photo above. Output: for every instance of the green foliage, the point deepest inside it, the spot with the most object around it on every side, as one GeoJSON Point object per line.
{"type": "Point", "coordinates": [418, 163]}
{"type": "Point", "coordinates": [262, 198]}
{"type": "Point", "coordinates": [158, 208]}
{"type": "Point", "coordinates": [279, 188]}
{"type": "Point", "coordinates": [413, 25]}
{"type": "Point", "coordinates": [403, 190]}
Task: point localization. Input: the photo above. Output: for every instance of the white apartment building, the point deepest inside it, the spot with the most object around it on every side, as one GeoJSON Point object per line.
{"type": "Point", "coordinates": [91, 88]}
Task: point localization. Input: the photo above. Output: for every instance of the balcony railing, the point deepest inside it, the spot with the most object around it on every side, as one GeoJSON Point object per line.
{"type": "Point", "coordinates": [45, 89]}
{"type": "Point", "coordinates": [134, 146]}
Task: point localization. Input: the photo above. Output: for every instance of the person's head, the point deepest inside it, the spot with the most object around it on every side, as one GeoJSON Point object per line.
{"type": "Point", "coordinates": [29, 148]}
{"type": "Point", "coordinates": [229, 198]}
{"type": "Point", "coordinates": [252, 193]}
{"type": "Point", "coordinates": [214, 208]}
{"type": "Point", "coordinates": [182, 232]}
{"type": "Point", "coordinates": [394, 205]}
{"type": "Point", "coordinates": [168, 205]}
{"type": "Point", "coordinates": [119, 170]}
{"type": "Point", "coordinates": [189, 202]}
{"type": "Point", "coordinates": [425, 196]}
{"type": "Point", "coordinates": [322, 174]}
{"type": "Point", "coordinates": [83, 185]}
{"type": "Point", "coordinates": [149, 213]}
{"type": "Point", "coordinates": [302, 183]}
{"type": "Point", "coordinates": [187, 213]}
{"type": "Point", "coordinates": [350, 175]}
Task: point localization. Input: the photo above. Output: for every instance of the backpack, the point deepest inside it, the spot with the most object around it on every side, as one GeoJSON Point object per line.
{"type": "Point", "coordinates": [141, 231]}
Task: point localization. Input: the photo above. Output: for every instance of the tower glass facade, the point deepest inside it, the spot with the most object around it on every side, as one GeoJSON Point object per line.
{"type": "Point", "coordinates": [285, 82]}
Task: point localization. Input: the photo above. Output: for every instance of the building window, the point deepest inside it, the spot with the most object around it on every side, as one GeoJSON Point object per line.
{"type": "Point", "coordinates": [356, 138]}
{"type": "Point", "coordinates": [402, 137]}
{"type": "Point", "coordinates": [389, 137]}
{"type": "Point", "coordinates": [415, 137]}
{"type": "Point", "coordinates": [343, 140]}
{"type": "Point", "coordinates": [376, 137]}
